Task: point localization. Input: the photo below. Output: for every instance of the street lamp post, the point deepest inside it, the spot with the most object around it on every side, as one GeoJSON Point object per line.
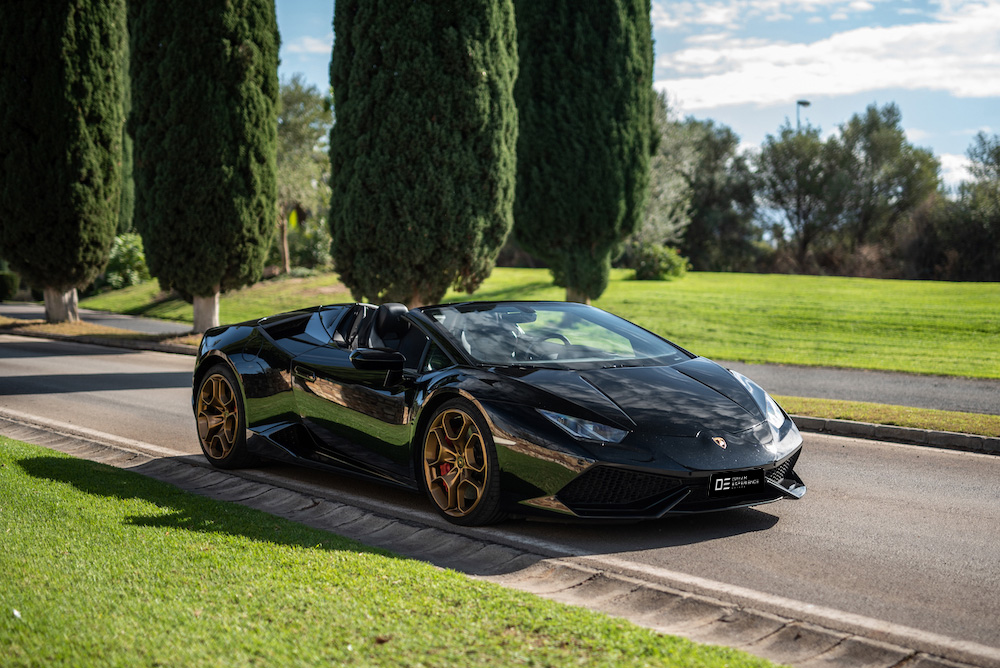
{"type": "Point", "coordinates": [798, 105]}
{"type": "Point", "coordinates": [798, 174]}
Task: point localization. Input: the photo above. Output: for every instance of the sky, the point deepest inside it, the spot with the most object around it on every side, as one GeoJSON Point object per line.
{"type": "Point", "coordinates": [746, 63]}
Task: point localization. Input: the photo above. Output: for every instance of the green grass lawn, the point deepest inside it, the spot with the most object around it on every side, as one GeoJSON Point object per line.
{"type": "Point", "coordinates": [899, 416]}
{"type": "Point", "coordinates": [926, 327]}
{"type": "Point", "coordinates": [102, 567]}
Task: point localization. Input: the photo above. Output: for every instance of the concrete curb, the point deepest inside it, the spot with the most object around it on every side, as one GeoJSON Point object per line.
{"type": "Point", "coordinates": [706, 612]}
{"type": "Point", "coordinates": [882, 432]}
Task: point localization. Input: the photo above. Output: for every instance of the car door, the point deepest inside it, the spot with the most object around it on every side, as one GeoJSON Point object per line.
{"type": "Point", "coordinates": [359, 418]}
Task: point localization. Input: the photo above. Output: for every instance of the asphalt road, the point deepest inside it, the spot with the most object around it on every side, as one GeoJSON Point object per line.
{"type": "Point", "coordinates": [884, 387]}
{"type": "Point", "coordinates": [904, 534]}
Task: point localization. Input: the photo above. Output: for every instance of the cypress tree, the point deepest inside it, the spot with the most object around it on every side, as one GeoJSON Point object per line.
{"type": "Point", "coordinates": [60, 142]}
{"type": "Point", "coordinates": [422, 153]}
{"type": "Point", "coordinates": [204, 100]}
{"type": "Point", "coordinates": [127, 205]}
{"type": "Point", "coordinates": [585, 103]}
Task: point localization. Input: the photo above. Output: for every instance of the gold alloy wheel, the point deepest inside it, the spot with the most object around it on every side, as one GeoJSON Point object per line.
{"type": "Point", "coordinates": [218, 416]}
{"type": "Point", "coordinates": [455, 462]}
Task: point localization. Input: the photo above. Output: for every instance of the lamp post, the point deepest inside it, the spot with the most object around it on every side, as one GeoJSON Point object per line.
{"type": "Point", "coordinates": [798, 176]}
{"type": "Point", "coordinates": [798, 105]}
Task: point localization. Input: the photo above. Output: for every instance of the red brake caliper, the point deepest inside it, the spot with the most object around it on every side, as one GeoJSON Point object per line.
{"type": "Point", "coordinates": [445, 467]}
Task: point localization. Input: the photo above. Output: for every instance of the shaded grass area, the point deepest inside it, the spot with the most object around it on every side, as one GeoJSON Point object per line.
{"type": "Point", "coordinates": [929, 327]}
{"type": "Point", "coordinates": [900, 416]}
{"type": "Point", "coordinates": [108, 568]}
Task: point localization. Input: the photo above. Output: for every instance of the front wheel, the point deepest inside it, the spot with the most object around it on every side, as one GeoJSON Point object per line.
{"type": "Point", "coordinates": [459, 463]}
{"type": "Point", "coordinates": [221, 420]}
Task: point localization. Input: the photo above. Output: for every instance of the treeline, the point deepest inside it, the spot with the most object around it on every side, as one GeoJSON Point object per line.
{"type": "Point", "coordinates": [863, 202]}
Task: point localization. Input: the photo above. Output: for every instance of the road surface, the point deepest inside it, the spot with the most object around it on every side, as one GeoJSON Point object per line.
{"type": "Point", "coordinates": [899, 533]}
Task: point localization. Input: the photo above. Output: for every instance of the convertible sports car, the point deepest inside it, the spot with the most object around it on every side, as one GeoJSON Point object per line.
{"type": "Point", "coordinates": [495, 409]}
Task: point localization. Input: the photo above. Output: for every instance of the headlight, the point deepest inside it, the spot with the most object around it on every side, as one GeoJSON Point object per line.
{"type": "Point", "coordinates": [585, 430]}
{"type": "Point", "coordinates": [775, 417]}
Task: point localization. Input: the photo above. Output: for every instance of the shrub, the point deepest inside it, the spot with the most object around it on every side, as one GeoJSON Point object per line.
{"type": "Point", "coordinates": [9, 282]}
{"type": "Point", "coordinates": [127, 265]}
{"type": "Point", "coordinates": [653, 262]}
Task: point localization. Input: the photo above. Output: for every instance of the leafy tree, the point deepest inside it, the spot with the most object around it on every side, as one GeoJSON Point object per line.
{"type": "Point", "coordinates": [422, 153]}
{"type": "Point", "coordinates": [667, 213]}
{"type": "Point", "coordinates": [802, 182]}
{"type": "Point", "coordinates": [585, 100]}
{"type": "Point", "coordinates": [722, 232]}
{"type": "Point", "coordinates": [205, 93]}
{"type": "Point", "coordinates": [969, 239]}
{"type": "Point", "coordinates": [304, 120]}
{"type": "Point", "coordinates": [61, 83]}
{"type": "Point", "coordinates": [889, 177]}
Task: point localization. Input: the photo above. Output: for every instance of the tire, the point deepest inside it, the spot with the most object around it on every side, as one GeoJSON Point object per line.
{"type": "Point", "coordinates": [221, 420]}
{"type": "Point", "coordinates": [459, 468]}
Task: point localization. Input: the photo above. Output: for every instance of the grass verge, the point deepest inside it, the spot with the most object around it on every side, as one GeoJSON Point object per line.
{"type": "Point", "coordinates": [108, 568]}
{"type": "Point", "coordinates": [89, 332]}
{"type": "Point", "coordinates": [929, 327]}
{"type": "Point", "coordinates": [900, 416]}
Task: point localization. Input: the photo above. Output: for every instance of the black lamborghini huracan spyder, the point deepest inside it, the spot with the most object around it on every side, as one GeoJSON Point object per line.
{"type": "Point", "coordinates": [495, 409]}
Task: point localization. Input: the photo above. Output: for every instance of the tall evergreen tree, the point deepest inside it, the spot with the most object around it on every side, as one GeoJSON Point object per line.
{"type": "Point", "coordinates": [422, 153]}
{"type": "Point", "coordinates": [585, 102]}
{"type": "Point", "coordinates": [204, 105]}
{"type": "Point", "coordinates": [60, 142]}
{"type": "Point", "coordinates": [127, 206]}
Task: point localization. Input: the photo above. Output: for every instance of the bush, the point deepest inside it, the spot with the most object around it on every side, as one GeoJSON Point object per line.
{"type": "Point", "coordinates": [9, 283]}
{"type": "Point", "coordinates": [127, 265]}
{"type": "Point", "coordinates": [653, 262]}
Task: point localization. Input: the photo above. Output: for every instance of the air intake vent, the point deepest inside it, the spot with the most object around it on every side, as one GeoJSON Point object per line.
{"type": "Point", "coordinates": [606, 486]}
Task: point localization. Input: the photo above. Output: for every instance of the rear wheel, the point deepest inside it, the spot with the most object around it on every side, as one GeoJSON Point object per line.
{"type": "Point", "coordinates": [221, 420]}
{"type": "Point", "coordinates": [459, 462]}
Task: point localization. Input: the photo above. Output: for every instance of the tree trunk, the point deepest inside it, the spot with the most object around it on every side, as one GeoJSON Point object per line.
{"type": "Point", "coordinates": [286, 263]}
{"type": "Point", "coordinates": [61, 306]}
{"type": "Point", "coordinates": [574, 295]}
{"type": "Point", "coordinates": [206, 311]}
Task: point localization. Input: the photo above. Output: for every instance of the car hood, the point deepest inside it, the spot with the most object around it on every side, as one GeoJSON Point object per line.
{"type": "Point", "coordinates": [669, 410]}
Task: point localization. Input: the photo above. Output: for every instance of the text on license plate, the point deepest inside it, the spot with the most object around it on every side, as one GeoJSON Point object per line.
{"type": "Point", "coordinates": [723, 484]}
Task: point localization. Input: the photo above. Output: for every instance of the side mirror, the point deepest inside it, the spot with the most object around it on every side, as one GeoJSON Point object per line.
{"type": "Point", "coordinates": [377, 359]}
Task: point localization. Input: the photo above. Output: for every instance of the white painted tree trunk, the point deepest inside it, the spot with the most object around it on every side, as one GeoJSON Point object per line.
{"type": "Point", "coordinates": [61, 306]}
{"type": "Point", "coordinates": [206, 311]}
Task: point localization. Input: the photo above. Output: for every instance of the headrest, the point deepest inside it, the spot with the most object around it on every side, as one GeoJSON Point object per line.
{"type": "Point", "coordinates": [389, 321]}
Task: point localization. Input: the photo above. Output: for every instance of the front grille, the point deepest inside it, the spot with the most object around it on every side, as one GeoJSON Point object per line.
{"type": "Point", "coordinates": [607, 486]}
{"type": "Point", "coordinates": [776, 475]}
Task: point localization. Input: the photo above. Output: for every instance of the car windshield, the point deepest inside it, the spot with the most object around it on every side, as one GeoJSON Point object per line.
{"type": "Point", "coordinates": [554, 334]}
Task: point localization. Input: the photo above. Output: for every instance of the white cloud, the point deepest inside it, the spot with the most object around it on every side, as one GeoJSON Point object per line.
{"type": "Point", "coordinates": [708, 38]}
{"type": "Point", "coordinates": [673, 14]}
{"type": "Point", "coordinates": [959, 53]}
{"type": "Point", "coordinates": [916, 135]}
{"type": "Point", "coordinates": [954, 169]}
{"type": "Point", "coordinates": [307, 44]}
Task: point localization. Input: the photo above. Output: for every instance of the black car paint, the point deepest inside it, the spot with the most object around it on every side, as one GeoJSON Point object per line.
{"type": "Point", "coordinates": [307, 403]}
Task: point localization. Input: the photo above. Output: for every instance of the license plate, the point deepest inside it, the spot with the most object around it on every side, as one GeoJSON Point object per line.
{"type": "Point", "coordinates": [734, 484]}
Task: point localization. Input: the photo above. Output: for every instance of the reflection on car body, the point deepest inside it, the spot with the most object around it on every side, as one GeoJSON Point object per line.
{"type": "Point", "coordinates": [495, 409]}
